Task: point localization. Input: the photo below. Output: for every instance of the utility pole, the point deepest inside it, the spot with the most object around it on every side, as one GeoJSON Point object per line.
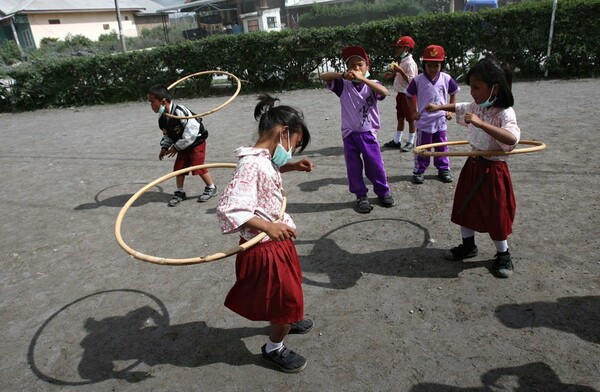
{"type": "Point", "coordinates": [120, 27]}
{"type": "Point", "coordinates": [554, 4]}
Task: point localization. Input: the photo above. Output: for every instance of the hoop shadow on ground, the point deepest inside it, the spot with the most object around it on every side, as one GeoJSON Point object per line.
{"type": "Point", "coordinates": [325, 152]}
{"type": "Point", "coordinates": [576, 315]}
{"type": "Point", "coordinates": [120, 200]}
{"type": "Point", "coordinates": [531, 377]}
{"type": "Point", "coordinates": [131, 337]}
{"type": "Point", "coordinates": [344, 268]}
{"type": "Point", "coordinates": [312, 186]}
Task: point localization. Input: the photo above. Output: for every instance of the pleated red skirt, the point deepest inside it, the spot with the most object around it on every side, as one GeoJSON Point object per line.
{"type": "Point", "coordinates": [269, 283]}
{"type": "Point", "coordinates": [489, 208]}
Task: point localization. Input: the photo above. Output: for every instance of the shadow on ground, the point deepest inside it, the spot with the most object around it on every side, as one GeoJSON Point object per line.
{"type": "Point", "coordinates": [576, 315]}
{"type": "Point", "coordinates": [145, 336]}
{"type": "Point", "coordinates": [531, 377]}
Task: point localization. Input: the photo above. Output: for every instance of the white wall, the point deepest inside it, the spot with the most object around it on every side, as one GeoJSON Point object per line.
{"type": "Point", "coordinates": [89, 24]}
{"type": "Point", "coordinates": [262, 20]}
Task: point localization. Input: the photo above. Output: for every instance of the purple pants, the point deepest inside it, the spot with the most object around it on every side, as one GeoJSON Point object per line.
{"type": "Point", "coordinates": [441, 163]}
{"type": "Point", "coordinates": [364, 143]}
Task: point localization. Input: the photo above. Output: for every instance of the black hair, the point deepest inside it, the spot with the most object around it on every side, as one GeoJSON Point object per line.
{"type": "Point", "coordinates": [491, 71]}
{"type": "Point", "coordinates": [268, 116]}
{"type": "Point", "coordinates": [161, 92]}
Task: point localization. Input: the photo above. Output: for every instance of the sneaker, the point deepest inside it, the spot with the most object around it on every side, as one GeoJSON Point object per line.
{"type": "Point", "coordinates": [503, 266]}
{"type": "Point", "coordinates": [408, 147]}
{"type": "Point", "coordinates": [461, 252]}
{"type": "Point", "coordinates": [177, 198]}
{"type": "Point", "coordinates": [445, 176]}
{"type": "Point", "coordinates": [392, 144]}
{"type": "Point", "coordinates": [387, 201]}
{"type": "Point", "coordinates": [286, 360]}
{"type": "Point", "coordinates": [209, 193]}
{"type": "Point", "coordinates": [363, 206]}
{"type": "Point", "coordinates": [418, 178]}
{"type": "Point", "coordinates": [302, 326]}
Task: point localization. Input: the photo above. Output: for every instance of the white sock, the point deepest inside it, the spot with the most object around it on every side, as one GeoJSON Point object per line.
{"type": "Point", "coordinates": [411, 137]}
{"type": "Point", "coordinates": [273, 346]}
{"type": "Point", "coordinates": [465, 232]}
{"type": "Point", "coordinates": [501, 246]}
{"type": "Point", "coordinates": [211, 186]}
{"type": "Point", "coordinates": [398, 137]}
{"type": "Point", "coordinates": [180, 189]}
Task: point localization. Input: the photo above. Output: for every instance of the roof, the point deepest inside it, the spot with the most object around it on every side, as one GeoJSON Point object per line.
{"type": "Point", "coordinates": [190, 6]}
{"type": "Point", "coordinates": [482, 2]}
{"type": "Point", "coordinates": [8, 7]}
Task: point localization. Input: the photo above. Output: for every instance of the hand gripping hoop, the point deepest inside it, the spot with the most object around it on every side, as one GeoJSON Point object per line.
{"type": "Point", "coordinates": [424, 150]}
{"type": "Point", "coordinates": [221, 106]}
{"type": "Point", "coordinates": [193, 260]}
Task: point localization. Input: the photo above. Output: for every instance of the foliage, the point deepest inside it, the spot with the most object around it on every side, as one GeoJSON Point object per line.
{"type": "Point", "coordinates": [517, 34]}
{"type": "Point", "coordinates": [355, 13]}
{"type": "Point", "coordinates": [10, 53]}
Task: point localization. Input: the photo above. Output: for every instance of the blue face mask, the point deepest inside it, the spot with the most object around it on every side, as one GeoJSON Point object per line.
{"type": "Point", "coordinates": [403, 55]}
{"type": "Point", "coordinates": [161, 110]}
{"type": "Point", "coordinates": [488, 102]}
{"type": "Point", "coordinates": [281, 156]}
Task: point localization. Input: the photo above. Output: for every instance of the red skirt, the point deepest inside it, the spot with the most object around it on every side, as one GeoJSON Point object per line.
{"type": "Point", "coordinates": [484, 200]}
{"type": "Point", "coordinates": [269, 283]}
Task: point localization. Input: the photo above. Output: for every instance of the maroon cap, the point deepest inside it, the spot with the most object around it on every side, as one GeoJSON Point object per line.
{"type": "Point", "coordinates": [405, 40]}
{"type": "Point", "coordinates": [354, 51]}
{"type": "Point", "coordinates": [434, 53]}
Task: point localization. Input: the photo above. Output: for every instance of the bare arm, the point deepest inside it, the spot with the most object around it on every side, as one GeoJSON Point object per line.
{"type": "Point", "coordinates": [449, 107]}
{"type": "Point", "coordinates": [275, 231]}
{"type": "Point", "coordinates": [302, 165]}
{"type": "Point", "coordinates": [329, 76]}
{"type": "Point", "coordinates": [500, 134]}
{"type": "Point", "coordinates": [378, 88]}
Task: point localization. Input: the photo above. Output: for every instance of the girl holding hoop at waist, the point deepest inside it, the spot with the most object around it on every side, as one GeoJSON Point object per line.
{"type": "Point", "coordinates": [484, 199]}
{"type": "Point", "coordinates": [268, 275]}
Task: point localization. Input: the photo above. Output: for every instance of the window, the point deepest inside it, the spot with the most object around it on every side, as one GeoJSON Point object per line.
{"type": "Point", "coordinates": [253, 25]}
{"type": "Point", "coordinates": [106, 26]}
{"type": "Point", "coordinates": [54, 21]}
{"type": "Point", "coordinates": [271, 22]}
{"type": "Point", "coordinates": [126, 17]}
{"type": "Point", "coordinates": [28, 39]}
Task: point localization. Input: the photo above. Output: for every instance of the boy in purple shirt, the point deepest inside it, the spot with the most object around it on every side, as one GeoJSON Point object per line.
{"type": "Point", "coordinates": [360, 123]}
{"type": "Point", "coordinates": [432, 86]}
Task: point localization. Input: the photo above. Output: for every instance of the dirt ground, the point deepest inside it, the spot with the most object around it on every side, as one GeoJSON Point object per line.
{"type": "Point", "coordinates": [390, 314]}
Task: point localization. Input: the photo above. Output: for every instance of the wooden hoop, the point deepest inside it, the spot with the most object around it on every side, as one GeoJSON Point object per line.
{"type": "Point", "coordinates": [221, 106]}
{"type": "Point", "coordinates": [424, 150]}
{"type": "Point", "coordinates": [192, 260]}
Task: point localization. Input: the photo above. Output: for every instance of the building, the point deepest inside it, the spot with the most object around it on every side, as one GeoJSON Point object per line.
{"type": "Point", "coordinates": [28, 22]}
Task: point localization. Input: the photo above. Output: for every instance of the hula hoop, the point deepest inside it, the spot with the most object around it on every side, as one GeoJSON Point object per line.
{"type": "Point", "coordinates": [192, 260]}
{"type": "Point", "coordinates": [424, 150]}
{"type": "Point", "coordinates": [221, 106]}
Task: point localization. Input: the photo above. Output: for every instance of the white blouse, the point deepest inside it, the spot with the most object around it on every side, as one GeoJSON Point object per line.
{"type": "Point", "coordinates": [255, 190]}
{"type": "Point", "coordinates": [499, 117]}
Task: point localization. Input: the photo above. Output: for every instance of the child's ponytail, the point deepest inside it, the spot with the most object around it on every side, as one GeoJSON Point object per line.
{"type": "Point", "coordinates": [265, 103]}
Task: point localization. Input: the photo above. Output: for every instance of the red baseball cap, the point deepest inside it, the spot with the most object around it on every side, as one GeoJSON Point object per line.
{"type": "Point", "coordinates": [354, 51]}
{"type": "Point", "coordinates": [405, 40]}
{"type": "Point", "coordinates": [434, 53]}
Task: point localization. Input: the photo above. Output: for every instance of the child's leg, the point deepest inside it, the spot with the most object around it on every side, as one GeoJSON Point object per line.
{"type": "Point", "coordinates": [275, 352]}
{"type": "Point", "coordinates": [466, 249]}
{"type": "Point", "coordinates": [421, 162]}
{"type": "Point", "coordinates": [207, 179]}
{"type": "Point", "coordinates": [503, 265]}
{"type": "Point", "coordinates": [443, 162]}
{"type": "Point", "coordinates": [179, 180]}
{"type": "Point", "coordinates": [374, 169]}
{"type": "Point", "coordinates": [354, 166]}
{"type": "Point", "coordinates": [276, 336]}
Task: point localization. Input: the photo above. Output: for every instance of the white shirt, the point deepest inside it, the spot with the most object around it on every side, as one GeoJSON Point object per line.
{"type": "Point", "coordinates": [411, 70]}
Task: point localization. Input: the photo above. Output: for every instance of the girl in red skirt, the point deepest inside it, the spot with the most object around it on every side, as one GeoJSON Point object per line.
{"type": "Point", "coordinates": [484, 199]}
{"type": "Point", "coordinates": [268, 283]}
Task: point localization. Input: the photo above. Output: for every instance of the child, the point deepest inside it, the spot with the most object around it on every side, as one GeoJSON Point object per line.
{"type": "Point", "coordinates": [432, 86]}
{"type": "Point", "coordinates": [185, 138]}
{"type": "Point", "coordinates": [268, 285]}
{"type": "Point", "coordinates": [360, 123]}
{"type": "Point", "coordinates": [484, 199]}
{"type": "Point", "coordinates": [403, 74]}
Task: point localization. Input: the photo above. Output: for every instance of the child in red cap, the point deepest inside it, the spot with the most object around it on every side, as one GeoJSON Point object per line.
{"type": "Point", "coordinates": [432, 86]}
{"type": "Point", "coordinates": [403, 73]}
{"type": "Point", "coordinates": [360, 123]}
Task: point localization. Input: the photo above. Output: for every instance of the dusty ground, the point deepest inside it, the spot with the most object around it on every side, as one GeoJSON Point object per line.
{"type": "Point", "coordinates": [390, 313]}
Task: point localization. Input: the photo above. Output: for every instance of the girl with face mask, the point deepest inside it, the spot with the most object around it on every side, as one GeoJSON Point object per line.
{"type": "Point", "coordinates": [484, 199]}
{"type": "Point", "coordinates": [268, 275]}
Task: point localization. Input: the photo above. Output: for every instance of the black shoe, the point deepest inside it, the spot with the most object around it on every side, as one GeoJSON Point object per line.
{"type": "Point", "coordinates": [418, 178]}
{"type": "Point", "coordinates": [363, 206]}
{"type": "Point", "coordinates": [407, 147]}
{"type": "Point", "coordinates": [286, 360]}
{"type": "Point", "coordinates": [208, 194]}
{"type": "Point", "coordinates": [461, 252]}
{"type": "Point", "coordinates": [503, 266]}
{"type": "Point", "coordinates": [387, 201]}
{"type": "Point", "coordinates": [445, 176]}
{"type": "Point", "coordinates": [177, 198]}
{"type": "Point", "coordinates": [302, 326]}
{"type": "Point", "coordinates": [392, 144]}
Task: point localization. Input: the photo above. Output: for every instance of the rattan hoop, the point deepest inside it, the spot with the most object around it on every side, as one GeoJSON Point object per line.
{"type": "Point", "coordinates": [221, 106]}
{"type": "Point", "coordinates": [186, 261]}
{"type": "Point", "coordinates": [424, 150]}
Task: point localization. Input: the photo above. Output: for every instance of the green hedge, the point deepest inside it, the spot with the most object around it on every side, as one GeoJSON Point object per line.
{"type": "Point", "coordinates": [288, 59]}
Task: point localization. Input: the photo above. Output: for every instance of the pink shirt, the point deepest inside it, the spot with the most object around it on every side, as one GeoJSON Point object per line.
{"type": "Point", "coordinates": [255, 190]}
{"type": "Point", "coordinates": [411, 70]}
{"type": "Point", "coordinates": [499, 117]}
